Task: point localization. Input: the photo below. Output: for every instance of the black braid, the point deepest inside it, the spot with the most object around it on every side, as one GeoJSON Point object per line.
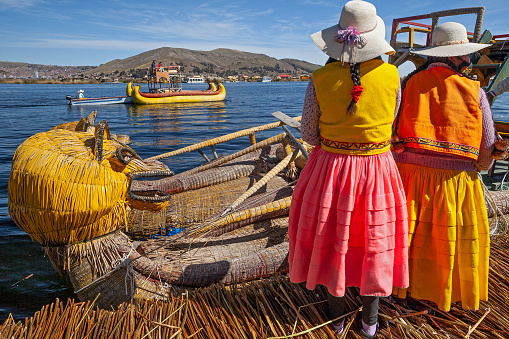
{"type": "Point", "coordinates": [355, 74]}
{"type": "Point", "coordinates": [455, 68]}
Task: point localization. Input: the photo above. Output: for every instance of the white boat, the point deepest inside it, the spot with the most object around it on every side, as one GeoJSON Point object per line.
{"type": "Point", "coordinates": [195, 80]}
{"type": "Point", "coordinates": [265, 79]}
{"type": "Point", "coordinates": [99, 101]}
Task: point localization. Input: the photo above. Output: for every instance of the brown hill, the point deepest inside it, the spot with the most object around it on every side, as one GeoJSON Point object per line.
{"type": "Point", "coordinates": [221, 61]}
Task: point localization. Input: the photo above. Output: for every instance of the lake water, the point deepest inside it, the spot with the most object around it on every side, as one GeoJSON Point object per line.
{"type": "Point", "coordinates": [155, 129]}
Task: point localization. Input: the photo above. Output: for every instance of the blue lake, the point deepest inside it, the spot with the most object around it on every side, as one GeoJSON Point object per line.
{"type": "Point", "coordinates": [155, 129]}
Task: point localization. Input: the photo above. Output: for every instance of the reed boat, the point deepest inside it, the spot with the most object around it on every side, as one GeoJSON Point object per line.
{"type": "Point", "coordinates": [215, 92]}
{"type": "Point", "coordinates": [165, 87]}
{"type": "Point", "coordinates": [111, 229]}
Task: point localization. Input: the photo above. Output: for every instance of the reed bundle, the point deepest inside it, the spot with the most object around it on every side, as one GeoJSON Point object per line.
{"type": "Point", "coordinates": [57, 201]}
{"type": "Point", "coordinates": [67, 186]}
{"type": "Point", "coordinates": [221, 139]}
{"type": "Point", "coordinates": [211, 173]}
{"type": "Point", "coordinates": [270, 308]}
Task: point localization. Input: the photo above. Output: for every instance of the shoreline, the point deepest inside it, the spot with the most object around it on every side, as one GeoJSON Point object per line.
{"type": "Point", "coordinates": [90, 81]}
{"type": "Point", "coordinates": [65, 82]}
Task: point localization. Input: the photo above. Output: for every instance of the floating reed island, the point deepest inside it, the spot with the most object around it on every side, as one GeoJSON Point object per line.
{"type": "Point", "coordinates": [202, 253]}
{"type": "Point", "coordinates": [268, 308]}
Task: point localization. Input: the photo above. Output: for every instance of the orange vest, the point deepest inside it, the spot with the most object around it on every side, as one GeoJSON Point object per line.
{"type": "Point", "coordinates": [369, 130]}
{"type": "Point", "coordinates": [440, 112]}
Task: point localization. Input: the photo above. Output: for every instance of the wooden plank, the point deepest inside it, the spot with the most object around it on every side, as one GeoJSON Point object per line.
{"type": "Point", "coordinates": [286, 120]}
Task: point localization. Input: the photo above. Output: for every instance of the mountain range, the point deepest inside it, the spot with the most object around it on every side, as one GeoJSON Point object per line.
{"type": "Point", "coordinates": [221, 62]}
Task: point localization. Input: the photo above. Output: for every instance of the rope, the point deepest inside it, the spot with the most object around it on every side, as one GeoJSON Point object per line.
{"type": "Point", "coordinates": [116, 265]}
{"type": "Point", "coordinates": [492, 204]}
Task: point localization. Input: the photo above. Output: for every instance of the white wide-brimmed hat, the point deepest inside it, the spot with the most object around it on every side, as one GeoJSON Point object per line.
{"type": "Point", "coordinates": [448, 40]}
{"type": "Point", "coordinates": [81, 91]}
{"type": "Point", "coordinates": [359, 36]}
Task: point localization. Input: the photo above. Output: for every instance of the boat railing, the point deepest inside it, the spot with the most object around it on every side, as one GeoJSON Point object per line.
{"type": "Point", "coordinates": [250, 132]}
{"type": "Point", "coordinates": [403, 48]}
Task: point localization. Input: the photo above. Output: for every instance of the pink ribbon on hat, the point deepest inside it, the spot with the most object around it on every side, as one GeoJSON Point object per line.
{"type": "Point", "coordinates": [349, 36]}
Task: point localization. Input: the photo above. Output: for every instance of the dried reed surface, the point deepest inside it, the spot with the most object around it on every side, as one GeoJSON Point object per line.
{"type": "Point", "coordinates": [266, 309]}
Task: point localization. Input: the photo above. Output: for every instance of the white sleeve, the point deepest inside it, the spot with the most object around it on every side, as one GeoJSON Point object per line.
{"type": "Point", "coordinates": [502, 87]}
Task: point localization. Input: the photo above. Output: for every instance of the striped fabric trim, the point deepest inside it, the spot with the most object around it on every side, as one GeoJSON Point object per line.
{"type": "Point", "coordinates": [441, 144]}
{"type": "Point", "coordinates": [355, 146]}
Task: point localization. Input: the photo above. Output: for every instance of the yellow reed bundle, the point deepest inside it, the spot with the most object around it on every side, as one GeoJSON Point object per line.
{"type": "Point", "coordinates": [59, 193]}
{"type": "Point", "coordinates": [68, 186]}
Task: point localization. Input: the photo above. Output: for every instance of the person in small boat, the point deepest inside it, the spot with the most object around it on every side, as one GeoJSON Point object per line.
{"type": "Point", "coordinates": [80, 94]}
{"type": "Point", "coordinates": [160, 66]}
{"type": "Point", "coordinates": [445, 134]}
{"type": "Point", "coordinates": [502, 87]}
{"type": "Point", "coordinates": [348, 218]}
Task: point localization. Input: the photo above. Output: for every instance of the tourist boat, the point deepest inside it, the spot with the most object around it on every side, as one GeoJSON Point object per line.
{"type": "Point", "coordinates": [165, 87]}
{"type": "Point", "coordinates": [265, 79]}
{"type": "Point", "coordinates": [99, 101]}
{"type": "Point", "coordinates": [195, 80]}
{"type": "Point", "coordinates": [214, 92]}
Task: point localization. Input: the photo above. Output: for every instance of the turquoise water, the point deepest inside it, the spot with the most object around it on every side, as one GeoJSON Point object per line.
{"type": "Point", "coordinates": [29, 109]}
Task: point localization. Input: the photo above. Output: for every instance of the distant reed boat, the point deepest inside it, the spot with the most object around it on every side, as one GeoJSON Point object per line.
{"type": "Point", "coordinates": [165, 87]}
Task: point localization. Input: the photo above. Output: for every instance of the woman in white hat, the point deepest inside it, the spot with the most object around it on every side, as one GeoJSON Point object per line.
{"type": "Point", "coordinates": [348, 221]}
{"type": "Point", "coordinates": [445, 132]}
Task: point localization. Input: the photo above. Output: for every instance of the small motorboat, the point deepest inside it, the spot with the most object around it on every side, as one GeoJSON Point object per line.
{"type": "Point", "coordinates": [81, 100]}
{"type": "Point", "coordinates": [99, 101]}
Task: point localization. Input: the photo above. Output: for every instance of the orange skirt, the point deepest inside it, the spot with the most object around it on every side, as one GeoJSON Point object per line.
{"type": "Point", "coordinates": [449, 240]}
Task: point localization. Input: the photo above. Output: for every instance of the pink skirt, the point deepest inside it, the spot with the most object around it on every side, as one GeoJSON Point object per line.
{"type": "Point", "coordinates": [348, 224]}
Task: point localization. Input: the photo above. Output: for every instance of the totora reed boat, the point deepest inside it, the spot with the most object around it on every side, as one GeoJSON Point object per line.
{"type": "Point", "coordinates": [222, 222]}
{"type": "Point", "coordinates": [165, 87]}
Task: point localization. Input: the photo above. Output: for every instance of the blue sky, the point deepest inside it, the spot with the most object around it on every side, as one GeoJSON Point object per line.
{"type": "Point", "coordinates": [65, 32]}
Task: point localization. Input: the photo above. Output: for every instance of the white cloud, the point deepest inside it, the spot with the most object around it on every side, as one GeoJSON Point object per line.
{"type": "Point", "coordinates": [18, 4]}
